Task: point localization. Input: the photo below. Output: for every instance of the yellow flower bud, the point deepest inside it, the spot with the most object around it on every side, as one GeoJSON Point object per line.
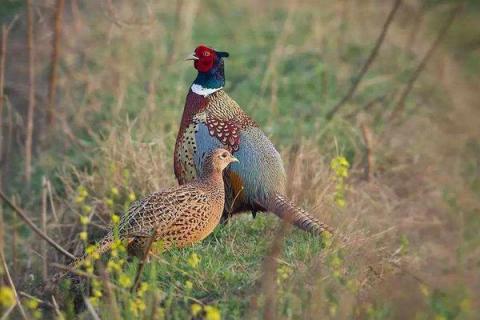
{"type": "Point", "coordinates": [114, 191]}
{"type": "Point", "coordinates": [84, 220]}
{"type": "Point", "coordinates": [7, 298]}
{"type": "Point", "coordinates": [194, 260]}
{"type": "Point", "coordinates": [212, 313]}
{"type": "Point", "coordinates": [109, 202]}
{"type": "Point", "coordinates": [196, 308]}
{"type": "Point", "coordinates": [83, 235]}
{"type": "Point", "coordinates": [115, 219]}
{"type": "Point", "coordinates": [124, 281]}
{"type": "Point", "coordinates": [86, 208]}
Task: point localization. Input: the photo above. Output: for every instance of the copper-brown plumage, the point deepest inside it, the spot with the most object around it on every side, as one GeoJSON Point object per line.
{"type": "Point", "coordinates": [179, 217]}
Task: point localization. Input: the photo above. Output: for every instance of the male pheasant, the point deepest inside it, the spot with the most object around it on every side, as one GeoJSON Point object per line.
{"type": "Point", "coordinates": [181, 216]}
{"type": "Point", "coordinates": [211, 119]}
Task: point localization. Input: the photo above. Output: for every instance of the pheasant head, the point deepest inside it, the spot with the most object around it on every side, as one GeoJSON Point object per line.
{"type": "Point", "coordinates": [216, 161]}
{"type": "Point", "coordinates": [210, 67]}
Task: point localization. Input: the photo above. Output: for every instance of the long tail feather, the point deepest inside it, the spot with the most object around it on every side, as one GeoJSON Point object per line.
{"type": "Point", "coordinates": [288, 211]}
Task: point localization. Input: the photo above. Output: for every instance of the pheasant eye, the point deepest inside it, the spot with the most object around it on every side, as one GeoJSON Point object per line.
{"type": "Point", "coordinates": [206, 54]}
{"type": "Point", "coordinates": [224, 155]}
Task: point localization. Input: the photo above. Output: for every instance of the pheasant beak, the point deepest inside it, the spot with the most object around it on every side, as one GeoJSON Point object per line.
{"type": "Point", "coordinates": [191, 56]}
{"type": "Point", "coordinates": [235, 159]}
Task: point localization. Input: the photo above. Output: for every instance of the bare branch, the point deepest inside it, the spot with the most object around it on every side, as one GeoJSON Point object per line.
{"type": "Point", "coordinates": [12, 285]}
{"type": "Point", "coordinates": [39, 232]}
{"type": "Point", "coordinates": [44, 229]}
{"type": "Point", "coordinates": [368, 140]}
{"type": "Point", "coordinates": [3, 57]}
{"type": "Point", "coordinates": [91, 309]}
{"type": "Point", "coordinates": [369, 61]}
{"type": "Point", "coordinates": [141, 264]}
{"type": "Point", "coordinates": [54, 62]}
{"type": "Point", "coordinates": [31, 93]}
{"type": "Point", "coordinates": [400, 106]}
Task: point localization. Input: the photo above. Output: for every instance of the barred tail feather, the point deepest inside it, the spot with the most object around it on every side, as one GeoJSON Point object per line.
{"type": "Point", "coordinates": [288, 211]}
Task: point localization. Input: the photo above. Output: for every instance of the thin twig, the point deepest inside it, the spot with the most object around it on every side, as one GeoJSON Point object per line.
{"type": "Point", "coordinates": [14, 242]}
{"type": "Point", "coordinates": [367, 106]}
{"type": "Point", "coordinates": [44, 229]}
{"type": "Point", "coordinates": [367, 63]}
{"type": "Point", "coordinates": [110, 295]}
{"type": "Point", "coordinates": [269, 276]}
{"type": "Point", "coordinates": [39, 232]}
{"type": "Point", "coordinates": [3, 58]}
{"type": "Point", "coordinates": [90, 309]}
{"type": "Point", "coordinates": [40, 301]}
{"type": "Point", "coordinates": [12, 285]}
{"type": "Point", "coordinates": [7, 313]}
{"type": "Point", "coordinates": [8, 141]}
{"type": "Point", "coordinates": [31, 93]}
{"type": "Point", "coordinates": [141, 264]}
{"type": "Point", "coordinates": [57, 309]}
{"type": "Point", "coordinates": [54, 62]}
{"type": "Point", "coordinates": [368, 140]}
{"type": "Point", "coordinates": [50, 197]}
{"type": "Point", "coordinates": [3, 55]}
{"type": "Point", "coordinates": [400, 106]}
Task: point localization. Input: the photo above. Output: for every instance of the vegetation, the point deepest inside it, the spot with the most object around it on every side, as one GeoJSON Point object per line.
{"type": "Point", "coordinates": [399, 181]}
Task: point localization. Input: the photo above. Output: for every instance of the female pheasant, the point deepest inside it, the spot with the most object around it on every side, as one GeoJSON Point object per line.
{"type": "Point", "coordinates": [181, 216]}
{"type": "Point", "coordinates": [211, 119]}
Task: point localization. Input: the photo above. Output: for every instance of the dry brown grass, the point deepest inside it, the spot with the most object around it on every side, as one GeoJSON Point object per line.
{"type": "Point", "coordinates": [408, 228]}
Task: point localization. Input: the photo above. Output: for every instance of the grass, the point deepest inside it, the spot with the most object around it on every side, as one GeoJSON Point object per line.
{"type": "Point", "coordinates": [412, 246]}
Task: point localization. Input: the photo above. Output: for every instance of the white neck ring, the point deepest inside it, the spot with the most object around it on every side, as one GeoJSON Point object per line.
{"type": "Point", "coordinates": [198, 89]}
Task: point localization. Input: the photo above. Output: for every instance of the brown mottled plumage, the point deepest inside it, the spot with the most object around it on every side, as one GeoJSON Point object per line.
{"type": "Point", "coordinates": [181, 216]}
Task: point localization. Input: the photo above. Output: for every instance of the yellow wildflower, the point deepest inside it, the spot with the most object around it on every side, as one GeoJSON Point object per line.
{"type": "Point", "coordinates": [327, 238]}
{"type": "Point", "coordinates": [340, 202]}
{"type": "Point", "coordinates": [32, 304]}
{"type": "Point", "coordinates": [137, 306]}
{"type": "Point", "coordinates": [160, 313]}
{"type": "Point", "coordinates": [194, 260]}
{"type": "Point", "coordinates": [7, 298]}
{"type": "Point", "coordinates": [196, 308]}
{"type": "Point", "coordinates": [114, 191]}
{"type": "Point", "coordinates": [93, 301]}
{"type": "Point", "coordinates": [124, 281]}
{"type": "Point", "coordinates": [466, 305]}
{"type": "Point", "coordinates": [188, 285]}
{"type": "Point", "coordinates": [332, 309]}
{"type": "Point", "coordinates": [97, 293]}
{"type": "Point", "coordinates": [424, 290]}
{"type": "Point", "coordinates": [82, 191]}
{"type": "Point", "coordinates": [84, 220]}
{"type": "Point", "coordinates": [212, 313]}
{"type": "Point", "coordinates": [143, 288]}
{"type": "Point", "coordinates": [79, 199]}
{"type": "Point", "coordinates": [109, 202]}
{"type": "Point", "coordinates": [83, 235]}
{"type": "Point", "coordinates": [90, 249]}
{"type": "Point", "coordinates": [37, 314]}
{"type": "Point", "coordinates": [132, 197]}
{"type": "Point", "coordinates": [115, 219]}
{"type": "Point", "coordinates": [340, 167]}
{"type": "Point", "coordinates": [86, 208]}
{"type": "Point", "coordinates": [113, 266]}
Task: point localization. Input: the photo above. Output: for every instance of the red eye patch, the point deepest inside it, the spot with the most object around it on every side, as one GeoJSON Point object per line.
{"type": "Point", "coordinates": [206, 58]}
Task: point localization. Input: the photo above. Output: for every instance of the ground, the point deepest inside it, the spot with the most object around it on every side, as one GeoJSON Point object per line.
{"type": "Point", "coordinates": [406, 244]}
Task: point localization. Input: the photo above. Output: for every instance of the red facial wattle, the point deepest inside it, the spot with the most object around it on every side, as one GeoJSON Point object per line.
{"type": "Point", "coordinates": [206, 58]}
